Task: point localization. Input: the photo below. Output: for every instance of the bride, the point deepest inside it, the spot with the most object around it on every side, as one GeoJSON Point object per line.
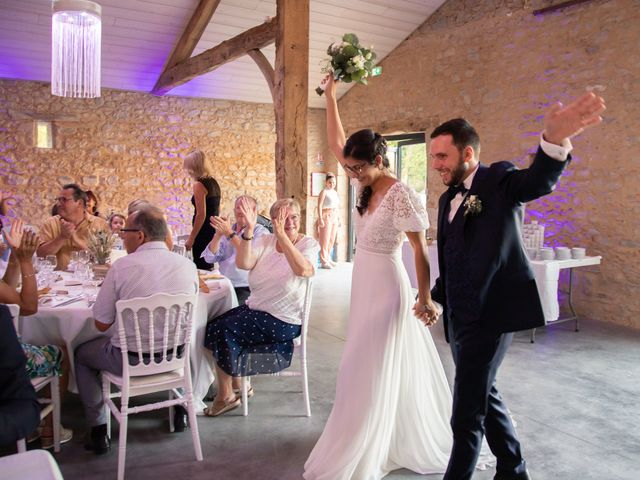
{"type": "Point", "coordinates": [393, 403]}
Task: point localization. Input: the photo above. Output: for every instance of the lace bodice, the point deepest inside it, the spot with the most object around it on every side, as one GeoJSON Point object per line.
{"type": "Point", "coordinates": [383, 230]}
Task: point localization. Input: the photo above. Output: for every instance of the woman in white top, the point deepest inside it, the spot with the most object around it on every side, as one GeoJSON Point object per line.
{"type": "Point", "coordinates": [263, 328]}
{"type": "Point", "coordinates": [328, 220]}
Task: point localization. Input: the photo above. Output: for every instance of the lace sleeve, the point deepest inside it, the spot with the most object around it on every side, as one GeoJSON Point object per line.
{"type": "Point", "coordinates": [408, 213]}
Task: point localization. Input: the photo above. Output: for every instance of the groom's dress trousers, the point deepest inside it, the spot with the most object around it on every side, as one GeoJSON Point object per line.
{"type": "Point", "coordinates": [477, 406]}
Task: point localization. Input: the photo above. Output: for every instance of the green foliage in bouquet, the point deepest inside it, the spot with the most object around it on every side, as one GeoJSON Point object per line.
{"type": "Point", "coordinates": [100, 244]}
{"type": "Point", "coordinates": [349, 62]}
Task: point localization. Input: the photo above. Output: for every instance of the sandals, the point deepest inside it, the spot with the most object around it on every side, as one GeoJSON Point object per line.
{"type": "Point", "coordinates": [224, 408]}
{"type": "Point", "coordinates": [238, 392]}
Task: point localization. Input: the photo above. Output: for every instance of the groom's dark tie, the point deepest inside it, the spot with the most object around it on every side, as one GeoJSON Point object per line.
{"type": "Point", "coordinates": [454, 190]}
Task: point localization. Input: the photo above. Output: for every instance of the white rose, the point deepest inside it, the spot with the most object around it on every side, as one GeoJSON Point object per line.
{"type": "Point", "coordinates": [368, 56]}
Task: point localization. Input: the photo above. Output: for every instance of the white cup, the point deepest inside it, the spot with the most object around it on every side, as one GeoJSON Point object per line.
{"type": "Point", "coordinates": [532, 253]}
{"type": "Point", "coordinates": [546, 254]}
{"type": "Point", "coordinates": [563, 253]}
{"type": "Point", "coordinates": [578, 252]}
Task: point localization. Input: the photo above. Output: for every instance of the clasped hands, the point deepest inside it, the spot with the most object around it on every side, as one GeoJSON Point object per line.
{"type": "Point", "coordinates": [426, 312]}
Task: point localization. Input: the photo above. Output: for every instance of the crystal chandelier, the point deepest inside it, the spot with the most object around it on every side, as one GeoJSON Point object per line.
{"type": "Point", "coordinates": [75, 48]}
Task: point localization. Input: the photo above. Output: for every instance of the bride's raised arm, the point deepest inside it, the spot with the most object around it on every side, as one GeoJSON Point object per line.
{"type": "Point", "coordinates": [335, 132]}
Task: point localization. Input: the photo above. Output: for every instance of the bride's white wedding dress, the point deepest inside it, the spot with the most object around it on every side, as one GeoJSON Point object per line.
{"type": "Point", "coordinates": [393, 402]}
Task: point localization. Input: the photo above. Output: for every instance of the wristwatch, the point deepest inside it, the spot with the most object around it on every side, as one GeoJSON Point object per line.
{"type": "Point", "coordinates": [246, 238]}
{"type": "Point", "coordinates": [231, 235]}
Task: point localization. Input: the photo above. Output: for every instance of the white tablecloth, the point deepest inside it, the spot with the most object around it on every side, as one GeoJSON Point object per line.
{"type": "Point", "coordinates": [73, 325]}
{"type": "Point", "coordinates": [547, 274]}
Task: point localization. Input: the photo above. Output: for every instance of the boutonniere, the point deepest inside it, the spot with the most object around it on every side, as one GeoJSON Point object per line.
{"type": "Point", "coordinates": [472, 205]}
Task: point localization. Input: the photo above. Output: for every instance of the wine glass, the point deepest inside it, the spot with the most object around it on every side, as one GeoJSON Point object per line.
{"type": "Point", "coordinates": [84, 256]}
{"type": "Point", "coordinates": [52, 260]}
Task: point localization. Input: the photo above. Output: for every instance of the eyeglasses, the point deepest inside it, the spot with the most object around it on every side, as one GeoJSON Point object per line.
{"type": "Point", "coordinates": [130, 230]}
{"type": "Point", "coordinates": [63, 199]}
{"type": "Point", "coordinates": [357, 170]}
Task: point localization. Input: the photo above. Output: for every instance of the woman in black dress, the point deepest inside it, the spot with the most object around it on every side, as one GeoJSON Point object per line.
{"type": "Point", "coordinates": [206, 201]}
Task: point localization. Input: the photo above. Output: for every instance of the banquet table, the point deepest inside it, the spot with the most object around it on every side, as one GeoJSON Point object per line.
{"type": "Point", "coordinates": [547, 274]}
{"type": "Point", "coordinates": [73, 324]}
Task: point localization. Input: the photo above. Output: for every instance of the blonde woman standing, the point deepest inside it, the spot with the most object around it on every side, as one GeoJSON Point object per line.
{"type": "Point", "coordinates": [206, 201]}
{"type": "Point", "coordinates": [328, 220]}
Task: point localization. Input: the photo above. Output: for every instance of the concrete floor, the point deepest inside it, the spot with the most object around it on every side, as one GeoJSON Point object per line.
{"type": "Point", "coordinates": [574, 397]}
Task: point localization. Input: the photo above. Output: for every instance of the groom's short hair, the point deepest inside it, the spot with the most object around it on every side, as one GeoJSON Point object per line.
{"type": "Point", "coordinates": [462, 133]}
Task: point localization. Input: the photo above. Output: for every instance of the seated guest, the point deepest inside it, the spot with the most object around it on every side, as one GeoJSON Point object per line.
{"type": "Point", "coordinates": [271, 318]}
{"type": "Point", "coordinates": [4, 248]}
{"type": "Point", "coordinates": [19, 407]}
{"type": "Point", "coordinates": [92, 204]}
{"type": "Point", "coordinates": [222, 248]}
{"type": "Point", "coordinates": [69, 230]}
{"type": "Point", "coordinates": [137, 204]}
{"type": "Point", "coordinates": [149, 268]}
{"type": "Point", "coordinates": [116, 222]}
{"type": "Point", "coordinates": [44, 360]}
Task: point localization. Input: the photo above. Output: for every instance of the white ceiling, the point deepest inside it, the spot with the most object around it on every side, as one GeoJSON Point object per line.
{"type": "Point", "coordinates": [138, 36]}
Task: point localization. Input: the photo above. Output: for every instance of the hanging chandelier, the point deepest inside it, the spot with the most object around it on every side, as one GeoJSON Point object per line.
{"type": "Point", "coordinates": [76, 30]}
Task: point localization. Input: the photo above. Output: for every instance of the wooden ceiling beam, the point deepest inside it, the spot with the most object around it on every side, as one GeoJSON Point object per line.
{"type": "Point", "coordinates": [191, 34]}
{"type": "Point", "coordinates": [266, 69]}
{"type": "Point", "coordinates": [207, 61]}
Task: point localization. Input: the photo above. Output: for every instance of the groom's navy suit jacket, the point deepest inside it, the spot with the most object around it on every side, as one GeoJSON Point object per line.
{"type": "Point", "coordinates": [498, 268]}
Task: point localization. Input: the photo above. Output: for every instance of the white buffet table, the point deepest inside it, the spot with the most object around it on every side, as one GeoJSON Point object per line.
{"type": "Point", "coordinates": [72, 325]}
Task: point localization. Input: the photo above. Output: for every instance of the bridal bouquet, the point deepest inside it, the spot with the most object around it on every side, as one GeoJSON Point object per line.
{"type": "Point", "coordinates": [349, 62]}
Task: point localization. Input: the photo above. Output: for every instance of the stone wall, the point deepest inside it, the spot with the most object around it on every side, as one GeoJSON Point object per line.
{"type": "Point", "coordinates": [128, 145]}
{"type": "Point", "coordinates": [501, 67]}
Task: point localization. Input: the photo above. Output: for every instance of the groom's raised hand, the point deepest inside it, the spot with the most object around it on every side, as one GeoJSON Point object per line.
{"type": "Point", "coordinates": [563, 122]}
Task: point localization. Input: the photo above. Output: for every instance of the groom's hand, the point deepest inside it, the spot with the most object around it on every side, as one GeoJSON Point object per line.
{"type": "Point", "coordinates": [563, 122]}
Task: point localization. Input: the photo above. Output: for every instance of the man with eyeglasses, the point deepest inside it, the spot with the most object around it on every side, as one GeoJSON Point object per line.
{"type": "Point", "coordinates": [150, 267]}
{"type": "Point", "coordinates": [69, 230]}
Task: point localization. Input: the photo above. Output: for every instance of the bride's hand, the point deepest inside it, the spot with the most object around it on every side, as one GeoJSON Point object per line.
{"type": "Point", "coordinates": [426, 312]}
{"type": "Point", "coordinates": [330, 86]}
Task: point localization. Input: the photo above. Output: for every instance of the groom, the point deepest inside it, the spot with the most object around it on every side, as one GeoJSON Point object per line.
{"type": "Point", "coordinates": [486, 284]}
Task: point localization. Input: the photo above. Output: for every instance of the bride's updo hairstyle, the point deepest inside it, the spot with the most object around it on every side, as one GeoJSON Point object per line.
{"type": "Point", "coordinates": [365, 145]}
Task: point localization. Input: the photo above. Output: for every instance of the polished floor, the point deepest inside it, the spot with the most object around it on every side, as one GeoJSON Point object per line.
{"type": "Point", "coordinates": [573, 395]}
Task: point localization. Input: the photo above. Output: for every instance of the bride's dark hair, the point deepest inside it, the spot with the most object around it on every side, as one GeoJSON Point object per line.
{"type": "Point", "coordinates": [366, 145]}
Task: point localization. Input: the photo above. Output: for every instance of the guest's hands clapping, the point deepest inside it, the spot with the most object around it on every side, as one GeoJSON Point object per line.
{"type": "Point", "coordinates": [563, 122]}
{"type": "Point", "coordinates": [279, 222]}
{"type": "Point", "coordinates": [222, 225]}
{"type": "Point", "coordinates": [68, 229]}
{"type": "Point", "coordinates": [13, 236]}
{"type": "Point", "coordinates": [248, 210]}
{"type": "Point", "coordinates": [426, 312]}
{"type": "Point", "coordinates": [28, 245]}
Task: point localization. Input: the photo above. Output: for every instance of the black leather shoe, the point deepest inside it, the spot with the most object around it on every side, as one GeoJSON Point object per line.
{"type": "Point", "coordinates": [519, 476]}
{"type": "Point", "coordinates": [98, 441]}
{"type": "Point", "coordinates": [180, 419]}
{"type": "Point", "coordinates": [98, 444]}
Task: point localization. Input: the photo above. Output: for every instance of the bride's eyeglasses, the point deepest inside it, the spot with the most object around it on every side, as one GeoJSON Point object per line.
{"type": "Point", "coordinates": [356, 169]}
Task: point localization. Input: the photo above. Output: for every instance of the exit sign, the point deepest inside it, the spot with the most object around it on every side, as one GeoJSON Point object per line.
{"type": "Point", "coordinates": [375, 71]}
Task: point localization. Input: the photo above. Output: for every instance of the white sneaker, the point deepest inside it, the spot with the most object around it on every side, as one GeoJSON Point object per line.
{"type": "Point", "coordinates": [66, 435]}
